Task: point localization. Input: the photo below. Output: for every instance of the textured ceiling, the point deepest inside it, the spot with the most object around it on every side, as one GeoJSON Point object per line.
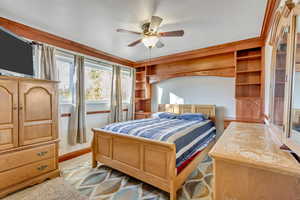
{"type": "Point", "coordinates": [93, 22]}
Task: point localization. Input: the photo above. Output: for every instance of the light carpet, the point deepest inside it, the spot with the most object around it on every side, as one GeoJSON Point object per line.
{"type": "Point", "coordinates": [55, 189]}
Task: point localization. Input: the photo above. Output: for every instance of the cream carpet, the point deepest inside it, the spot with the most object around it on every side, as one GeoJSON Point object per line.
{"type": "Point", "coordinates": [55, 189]}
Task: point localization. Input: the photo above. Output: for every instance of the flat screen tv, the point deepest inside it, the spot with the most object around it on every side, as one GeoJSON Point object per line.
{"type": "Point", "coordinates": [15, 54]}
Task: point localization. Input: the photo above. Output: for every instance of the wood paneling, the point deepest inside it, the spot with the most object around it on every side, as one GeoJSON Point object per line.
{"type": "Point", "coordinates": [222, 65]}
{"type": "Point", "coordinates": [41, 36]}
{"type": "Point", "coordinates": [204, 52]}
{"type": "Point", "coordinates": [8, 114]}
{"type": "Point", "coordinates": [195, 65]}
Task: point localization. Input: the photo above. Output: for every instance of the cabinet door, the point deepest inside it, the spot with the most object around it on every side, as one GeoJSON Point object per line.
{"type": "Point", "coordinates": [249, 109]}
{"type": "Point", "coordinates": [38, 112]}
{"type": "Point", "coordinates": [8, 114]}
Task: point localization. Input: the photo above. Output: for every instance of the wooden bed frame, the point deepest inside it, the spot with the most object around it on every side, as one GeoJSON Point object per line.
{"type": "Point", "coordinates": [150, 161]}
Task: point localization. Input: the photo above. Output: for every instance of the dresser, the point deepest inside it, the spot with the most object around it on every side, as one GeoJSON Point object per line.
{"type": "Point", "coordinates": [28, 132]}
{"type": "Point", "coordinates": [249, 165]}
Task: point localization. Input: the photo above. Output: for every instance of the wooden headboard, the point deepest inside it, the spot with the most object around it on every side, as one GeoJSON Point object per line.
{"type": "Point", "coordinates": [209, 110]}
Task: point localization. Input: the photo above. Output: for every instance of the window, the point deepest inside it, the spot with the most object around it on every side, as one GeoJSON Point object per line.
{"type": "Point", "coordinates": [65, 64]}
{"type": "Point", "coordinates": [97, 83]}
{"type": "Point", "coordinates": [126, 80]}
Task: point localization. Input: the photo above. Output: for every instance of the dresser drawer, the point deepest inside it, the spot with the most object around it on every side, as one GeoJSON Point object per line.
{"type": "Point", "coordinates": [26, 172]}
{"type": "Point", "coordinates": [20, 158]}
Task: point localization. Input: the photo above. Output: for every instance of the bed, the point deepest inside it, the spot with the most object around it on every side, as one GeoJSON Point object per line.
{"type": "Point", "coordinates": [154, 156]}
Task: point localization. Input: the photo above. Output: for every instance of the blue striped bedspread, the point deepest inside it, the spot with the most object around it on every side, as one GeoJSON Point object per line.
{"type": "Point", "coordinates": [189, 137]}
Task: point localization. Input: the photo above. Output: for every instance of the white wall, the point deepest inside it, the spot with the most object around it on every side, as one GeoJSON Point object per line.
{"type": "Point", "coordinates": [93, 121]}
{"type": "Point", "coordinates": [198, 90]}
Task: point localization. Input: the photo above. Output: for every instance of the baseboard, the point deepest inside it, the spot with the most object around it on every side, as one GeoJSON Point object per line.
{"type": "Point", "coordinates": [74, 154]}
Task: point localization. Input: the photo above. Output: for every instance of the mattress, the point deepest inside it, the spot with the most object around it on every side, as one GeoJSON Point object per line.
{"type": "Point", "coordinates": [188, 136]}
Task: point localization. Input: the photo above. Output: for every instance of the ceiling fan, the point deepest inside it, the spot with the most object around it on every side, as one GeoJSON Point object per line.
{"type": "Point", "coordinates": [150, 35]}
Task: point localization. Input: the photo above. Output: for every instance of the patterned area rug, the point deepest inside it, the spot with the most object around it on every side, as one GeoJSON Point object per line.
{"type": "Point", "coordinates": [103, 183]}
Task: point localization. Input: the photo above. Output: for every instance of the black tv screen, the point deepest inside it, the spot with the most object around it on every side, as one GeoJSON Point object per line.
{"type": "Point", "coordinates": [15, 53]}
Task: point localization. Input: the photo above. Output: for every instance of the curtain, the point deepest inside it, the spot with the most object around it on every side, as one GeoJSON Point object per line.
{"type": "Point", "coordinates": [131, 106]}
{"type": "Point", "coordinates": [77, 124]}
{"type": "Point", "coordinates": [116, 114]}
{"type": "Point", "coordinates": [47, 68]}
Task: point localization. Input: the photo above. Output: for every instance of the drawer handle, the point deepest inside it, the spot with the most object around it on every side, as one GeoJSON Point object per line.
{"type": "Point", "coordinates": [42, 153]}
{"type": "Point", "coordinates": [41, 168]}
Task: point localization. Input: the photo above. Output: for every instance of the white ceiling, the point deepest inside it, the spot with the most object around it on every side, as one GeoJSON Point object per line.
{"type": "Point", "coordinates": [93, 22]}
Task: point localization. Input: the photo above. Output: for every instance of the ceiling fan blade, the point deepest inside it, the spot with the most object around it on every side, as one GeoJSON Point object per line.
{"type": "Point", "coordinates": [154, 24]}
{"type": "Point", "coordinates": [126, 31]}
{"type": "Point", "coordinates": [178, 33]}
{"type": "Point", "coordinates": [135, 43]}
{"type": "Point", "coordinates": [159, 44]}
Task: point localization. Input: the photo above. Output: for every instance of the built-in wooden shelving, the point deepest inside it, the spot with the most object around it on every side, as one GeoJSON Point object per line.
{"type": "Point", "coordinates": [249, 57]}
{"type": "Point", "coordinates": [248, 73]}
{"type": "Point", "coordinates": [249, 84]}
{"type": "Point", "coordinates": [142, 94]}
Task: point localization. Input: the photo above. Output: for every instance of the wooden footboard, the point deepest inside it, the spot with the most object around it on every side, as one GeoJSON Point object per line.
{"type": "Point", "coordinates": [153, 162]}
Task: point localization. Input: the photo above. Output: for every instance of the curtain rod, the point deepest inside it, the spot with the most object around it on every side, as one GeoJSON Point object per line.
{"type": "Point", "coordinates": [102, 61]}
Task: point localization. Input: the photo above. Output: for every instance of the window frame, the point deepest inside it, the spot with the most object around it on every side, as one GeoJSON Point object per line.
{"type": "Point", "coordinates": [69, 59]}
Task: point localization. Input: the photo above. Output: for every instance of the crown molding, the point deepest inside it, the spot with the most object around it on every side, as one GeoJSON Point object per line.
{"type": "Point", "coordinates": [51, 39]}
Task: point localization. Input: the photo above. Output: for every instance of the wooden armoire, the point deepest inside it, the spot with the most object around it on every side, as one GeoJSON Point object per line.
{"type": "Point", "coordinates": [28, 132]}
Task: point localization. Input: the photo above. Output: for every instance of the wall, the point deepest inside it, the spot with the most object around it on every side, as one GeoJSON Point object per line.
{"type": "Point", "coordinates": [93, 121]}
{"type": "Point", "coordinates": [198, 90]}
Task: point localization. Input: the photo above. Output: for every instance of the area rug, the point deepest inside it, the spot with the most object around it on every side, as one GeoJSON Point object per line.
{"type": "Point", "coordinates": [55, 189]}
{"type": "Point", "coordinates": [104, 183]}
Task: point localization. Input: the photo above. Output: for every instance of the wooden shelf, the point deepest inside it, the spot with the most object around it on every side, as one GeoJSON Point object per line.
{"type": "Point", "coordinates": [141, 72]}
{"type": "Point", "coordinates": [140, 81]}
{"type": "Point", "coordinates": [248, 97]}
{"type": "Point", "coordinates": [248, 71]}
{"type": "Point", "coordinates": [249, 57]}
{"type": "Point", "coordinates": [254, 83]}
{"type": "Point", "coordinates": [142, 113]}
{"type": "Point", "coordinates": [142, 99]}
{"type": "Point", "coordinates": [139, 89]}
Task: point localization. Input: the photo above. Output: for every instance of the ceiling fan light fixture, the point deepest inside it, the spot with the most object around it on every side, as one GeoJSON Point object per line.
{"type": "Point", "coordinates": [150, 41]}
